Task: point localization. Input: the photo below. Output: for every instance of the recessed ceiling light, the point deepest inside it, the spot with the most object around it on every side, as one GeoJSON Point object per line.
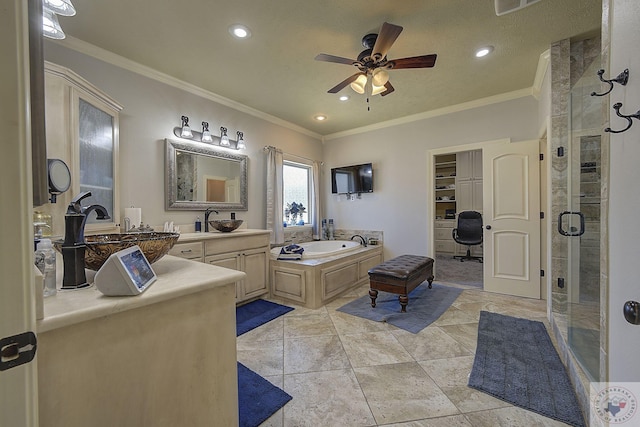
{"type": "Point", "coordinates": [344, 98]}
{"type": "Point", "coordinates": [484, 51]}
{"type": "Point", "coordinates": [320, 117]}
{"type": "Point", "coordinates": [240, 31]}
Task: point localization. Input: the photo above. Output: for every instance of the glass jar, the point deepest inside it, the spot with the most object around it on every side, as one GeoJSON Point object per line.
{"type": "Point", "coordinates": [42, 224]}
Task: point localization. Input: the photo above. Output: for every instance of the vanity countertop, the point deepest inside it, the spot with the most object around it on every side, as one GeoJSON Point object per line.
{"type": "Point", "coordinates": [240, 232]}
{"type": "Point", "coordinates": [176, 277]}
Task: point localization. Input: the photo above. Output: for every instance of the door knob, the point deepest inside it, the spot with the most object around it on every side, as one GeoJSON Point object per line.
{"type": "Point", "coordinates": [488, 227]}
{"type": "Point", "coordinates": [631, 311]}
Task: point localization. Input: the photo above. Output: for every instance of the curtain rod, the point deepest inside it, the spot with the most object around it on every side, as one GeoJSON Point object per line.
{"type": "Point", "coordinates": [266, 147]}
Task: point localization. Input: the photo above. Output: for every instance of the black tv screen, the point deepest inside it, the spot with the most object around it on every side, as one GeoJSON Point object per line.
{"type": "Point", "coordinates": [352, 179]}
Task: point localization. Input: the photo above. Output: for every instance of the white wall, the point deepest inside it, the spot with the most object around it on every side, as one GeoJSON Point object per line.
{"type": "Point", "coordinates": [151, 110]}
{"type": "Point", "coordinates": [398, 205]}
{"type": "Point", "coordinates": [624, 195]}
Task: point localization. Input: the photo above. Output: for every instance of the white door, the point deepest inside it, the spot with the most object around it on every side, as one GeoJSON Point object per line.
{"type": "Point", "coordinates": [18, 393]}
{"type": "Point", "coordinates": [511, 217]}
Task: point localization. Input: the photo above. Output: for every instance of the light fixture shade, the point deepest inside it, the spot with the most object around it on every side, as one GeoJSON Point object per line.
{"type": "Point", "coordinates": [240, 145]}
{"type": "Point", "coordinates": [186, 130]}
{"type": "Point", "coordinates": [224, 139]}
{"type": "Point", "coordinates": [61, 7]}
{"type": "Point", "coordinates": [360, 83]}
{"type": "Point", "coordinates": [206, 135]}
{"type": "Point", "coordinates": [375, 90]}
{"type": "Point", "coordinates": [50, 26]}
{"type": "Point", "coordinates": [380, 77]}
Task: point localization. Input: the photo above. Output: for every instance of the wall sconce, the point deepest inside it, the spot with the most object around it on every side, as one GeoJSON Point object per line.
{"type": "Point", "coordinates": [205, 136]}
{"type": "Point", "coordinates": [224, 139]}
{"type": "Point", "coordinates": [240, 145]}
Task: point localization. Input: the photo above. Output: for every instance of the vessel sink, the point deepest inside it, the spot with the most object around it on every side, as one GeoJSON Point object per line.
{"type": "Point", "coordinates": [99, 247]}
{"type": "Point", "coordinates": [225, 225]}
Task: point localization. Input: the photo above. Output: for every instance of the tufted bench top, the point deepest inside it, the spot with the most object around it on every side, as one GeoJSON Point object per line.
{"type": "Point", "coordinates": [402, 267]}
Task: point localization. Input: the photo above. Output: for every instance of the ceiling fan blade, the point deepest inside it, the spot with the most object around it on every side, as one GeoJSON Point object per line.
{"type": "Point", "coordinates": [424, 61]}
{"type": "Point", "coordinates": [387, 36]}
{"type": "Point", "coordinates": [336, 59]}
{"type": "Point", "coordinates": [337, 88]}
{"type": "Point", "coordinates": [389, 89]}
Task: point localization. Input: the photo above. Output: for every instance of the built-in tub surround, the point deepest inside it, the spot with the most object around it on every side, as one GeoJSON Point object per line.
{"type": "Point", "coordinates": [323, 248]}
{"type": "Point", "coordinates": [314, 282]}
{"type": "Point", "coordinates": [301, 234]}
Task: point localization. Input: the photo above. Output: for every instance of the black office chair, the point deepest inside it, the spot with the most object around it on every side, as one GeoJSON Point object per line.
{"type": "Point", "coordinates": [468, 232]}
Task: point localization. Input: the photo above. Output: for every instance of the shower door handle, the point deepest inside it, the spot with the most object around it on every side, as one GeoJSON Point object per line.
{"type": "Point", "coordinates": [572, 232]}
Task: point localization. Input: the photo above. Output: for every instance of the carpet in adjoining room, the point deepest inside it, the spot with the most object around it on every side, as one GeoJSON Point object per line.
{"type": "Point", "coordinates": [516, 361]}
{"type": "Point", "coordinates": [425, 306]}
{"type": "Point", "coordinates": [450, 270]}
{"type": "Point", "coordinates": [258, 399]}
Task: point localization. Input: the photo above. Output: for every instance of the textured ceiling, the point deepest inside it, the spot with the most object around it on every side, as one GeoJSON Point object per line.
{"type": "Point", "coordinates": [274, 71]}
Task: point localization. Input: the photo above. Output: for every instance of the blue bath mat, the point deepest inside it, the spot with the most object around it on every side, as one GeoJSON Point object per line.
{"type": "Point", "coordinates": [516, 362]}
{"type": "Point", "coordinates": [258, 399]}
{"type": "Point", "coordinates": [425, 306]}
{"type": "Point", "coordinates": [256, 313]}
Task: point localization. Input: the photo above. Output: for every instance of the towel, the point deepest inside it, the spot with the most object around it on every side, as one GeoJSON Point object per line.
{"type": "Point", "coordinates": [291, 252]}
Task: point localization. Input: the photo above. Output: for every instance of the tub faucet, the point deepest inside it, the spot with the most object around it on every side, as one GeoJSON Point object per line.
{"type": "Point", "coordinates": [73, 247]}
{"type": "Point", "coordinates": [206, 218]}
{"type": "Point", "coordinates": [362, 239]}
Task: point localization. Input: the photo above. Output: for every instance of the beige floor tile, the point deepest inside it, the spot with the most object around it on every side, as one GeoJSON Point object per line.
{"type": "Point", "coordinates": [455, 316]}
{"type": "Point", "coordinates": [347, 324]}
{"type": "Point", "coordinates": [510, 417]}
{"type": "Point", "coordinates": [402, 392]}
{"type": "Point", "coordinates": [466, 334]}
{"type": "Point", "coordinates": [327, 399]}
{"type": "Point", "coordinates": [468, 399]}
{"type": "Point", "coordinates": [277, 419]}
{"type": "Point", "coordinates": [308, 325]}
{"type": "Point", "coordinates": [430, 343]}
{"type": "Point", "coordinates": [270, 331]}
{"type": "Point", "coordinates": [451, 421]}
{"type": "Point", "coordinates": [262, 357]}
{"type": "Point", "coordinates": [376, 348]}
{"type": "Point", "coordinates": [310, 354]}
{"type": "Point", "coordinates": [450, 372]}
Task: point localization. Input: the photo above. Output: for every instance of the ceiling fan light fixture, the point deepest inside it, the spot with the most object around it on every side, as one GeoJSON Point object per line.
{"type": "Point", "coordinates": [380, 77]}
{"type": "Point", "coordinates": [375, 90]}
{"type": "Point", "coordinates": [359, 84]}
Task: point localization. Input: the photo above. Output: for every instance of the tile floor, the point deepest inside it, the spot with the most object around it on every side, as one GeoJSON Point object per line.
{"type": "Point", "coordinates": [347, 371]}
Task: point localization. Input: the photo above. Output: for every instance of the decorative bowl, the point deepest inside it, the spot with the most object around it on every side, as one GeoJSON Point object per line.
{"type": "Point", "coordinates": [225, 225]}
{"type": "Point", "coordinates": [154, 245]}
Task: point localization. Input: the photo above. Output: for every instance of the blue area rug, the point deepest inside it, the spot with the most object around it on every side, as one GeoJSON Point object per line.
{"type": "Point", "coordinates": [425, 306]}
{"type": "Point", "coordinates": [516, 362]}
{"type": "Point", "coordinates": [258, 399]}
{"type": "Point", "coordinates": [256, 313]}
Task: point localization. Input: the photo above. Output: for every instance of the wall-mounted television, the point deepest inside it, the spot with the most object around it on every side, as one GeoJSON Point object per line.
{"type": "Point", "coordinates": [352, 179]}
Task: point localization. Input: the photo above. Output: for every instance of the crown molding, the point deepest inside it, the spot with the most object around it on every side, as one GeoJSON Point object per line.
{"type": "Point", "coordinates": [541, 72]}
{"type": "Point", "coordinates": [135, 67]}
{"type": "Point", "coordinates": [508, 96]}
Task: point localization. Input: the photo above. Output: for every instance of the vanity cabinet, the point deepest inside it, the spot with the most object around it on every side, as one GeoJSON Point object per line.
{"type": "Point", "coordinates": [242, 250]}
{"type": "Point", "coordinates": [249, 255]}
{"type": "Point", "coordinates": [82, 126]}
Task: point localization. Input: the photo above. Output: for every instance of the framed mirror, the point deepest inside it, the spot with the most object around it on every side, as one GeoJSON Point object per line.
{"type": "Point", "coordinates": [198, 177]}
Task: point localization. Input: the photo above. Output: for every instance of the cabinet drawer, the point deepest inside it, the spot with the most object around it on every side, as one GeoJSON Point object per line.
{"type": "Point", "coordinates": [443, 233]}
{"type": "Point", "coordinates": [235, 244]}
{"type": "Point", "coordinates": [191, 250]}
{"type": "Point", "coordinates": [445, 246]}
{"type": "Point", "coordinates": [445, 223]}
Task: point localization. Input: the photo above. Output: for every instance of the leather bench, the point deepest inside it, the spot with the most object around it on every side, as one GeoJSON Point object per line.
{"type": "Point", "coordinates": [400, 275]}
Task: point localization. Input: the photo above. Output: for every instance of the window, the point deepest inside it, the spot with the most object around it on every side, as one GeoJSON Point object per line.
{"type": "Point", "coordinates": [296, 179]}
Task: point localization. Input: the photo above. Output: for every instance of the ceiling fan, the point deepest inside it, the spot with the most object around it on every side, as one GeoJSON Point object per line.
{"type": "Point", "coordinates": [372, 63]}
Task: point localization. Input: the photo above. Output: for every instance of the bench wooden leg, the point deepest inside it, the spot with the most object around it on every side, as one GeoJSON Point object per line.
{"type": "Point", "coordinates": [430, 280]}
{"type": "Point", "coordinates": [373, 294]}
{"type": "Point", "coordinates": [404, 300]}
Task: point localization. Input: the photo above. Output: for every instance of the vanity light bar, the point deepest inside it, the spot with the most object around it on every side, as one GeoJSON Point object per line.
{"type": "Point", "coordinates": [186, 132]}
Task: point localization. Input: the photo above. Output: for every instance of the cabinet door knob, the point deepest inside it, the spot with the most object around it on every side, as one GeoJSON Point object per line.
{"type": "Point", "coordinates": [488, 227]}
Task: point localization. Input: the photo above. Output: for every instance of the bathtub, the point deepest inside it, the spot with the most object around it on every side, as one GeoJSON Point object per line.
{"type": "Point", "coordinates": [328, 269]}
{"type": "Point", "coordinates": [324, 248]}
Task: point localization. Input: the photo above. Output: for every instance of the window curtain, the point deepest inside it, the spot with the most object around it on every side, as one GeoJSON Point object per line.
{"type": "Point", "coordinates": [274, 195]}
{"type": "Point", "coordinates": [315, 200]}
